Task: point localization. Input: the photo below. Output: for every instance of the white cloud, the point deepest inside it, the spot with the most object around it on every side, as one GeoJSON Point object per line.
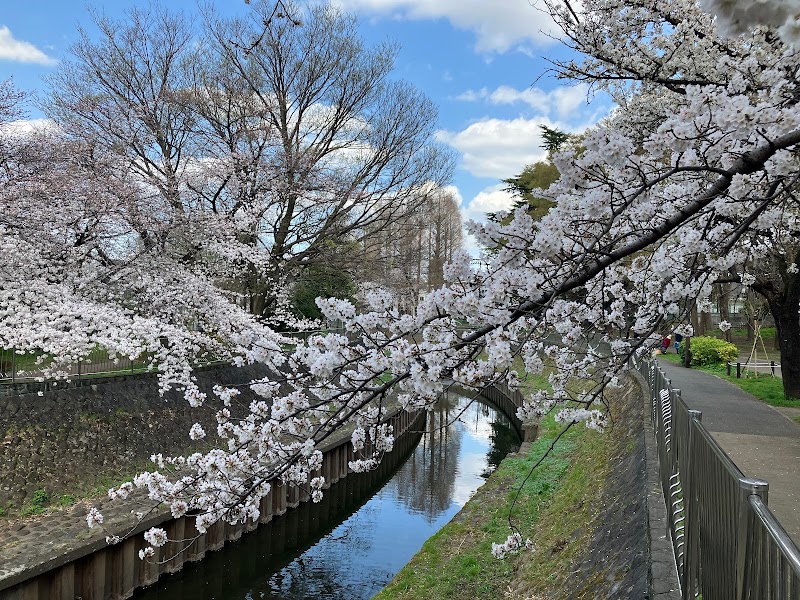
{"type": "Point", "coordinates": [562, 101]}
{"type": "Point", "coordinates": [455, 193]}
{"type": "Point", "coordinates": [500, 25]}
{"type": "Point", "coordinates": [26, 127]}
{"type": "Point", "coordinates": [20, 51]}
{"type": "Point", "coordinates": [473, 95]}
{"type": "Point", "coordinates": [488, 200]}
{"type": "Point", "coordinates": [498, 148]}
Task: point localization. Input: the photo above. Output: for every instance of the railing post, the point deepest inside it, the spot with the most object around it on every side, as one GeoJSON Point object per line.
{"type": "Point", "coordinates": [691, 518]}
{"type": "Point", "coordinates": [744, 527]}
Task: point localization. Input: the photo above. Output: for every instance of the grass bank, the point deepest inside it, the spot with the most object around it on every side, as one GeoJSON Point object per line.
{"type": "Point", "coordinates": [555, 506]}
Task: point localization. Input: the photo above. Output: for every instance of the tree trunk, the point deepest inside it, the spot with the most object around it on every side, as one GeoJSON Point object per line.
{"type": "Point", "coordinates": [787, 325]}
{"type": "Point", "coordinates": [783, 298]}
{"type": "Point", "coordinates": [695, 321]}
{"type": "Point", "coordinates": [704, 321]}
{"type": "Point", "coordinates": [258, 303]}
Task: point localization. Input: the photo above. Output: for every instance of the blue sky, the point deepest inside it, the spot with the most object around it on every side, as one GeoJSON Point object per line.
{"type": "Point", "coordinates": [477, 59]}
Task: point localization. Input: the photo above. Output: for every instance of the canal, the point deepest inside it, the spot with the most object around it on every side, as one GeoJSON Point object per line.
{"type": "Point", "coordinates": [367, 527]}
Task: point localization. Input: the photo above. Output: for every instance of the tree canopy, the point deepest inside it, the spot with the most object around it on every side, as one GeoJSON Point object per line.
{"type": "Point", "coordinates": [691, 181]}
{"type": "Point", "coordinates": [285, 135]}
{"type": "Point", "coordinates": [537, 176]}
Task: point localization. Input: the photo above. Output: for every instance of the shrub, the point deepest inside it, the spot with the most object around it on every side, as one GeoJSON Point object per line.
{"type": "Point", "coordinates": [707, 350]}
{"type": "Point", "coordinates": [40, 498]}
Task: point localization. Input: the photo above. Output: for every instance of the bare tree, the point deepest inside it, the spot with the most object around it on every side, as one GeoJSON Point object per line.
{"type": "Point", "coordinates": [444, 235]}
{"type": "Point", "coordinates": [408, 254]}
{"type": "Point", "coordinates": [272, 136]}
{"type": "Point", "coordinates": [352, 148]}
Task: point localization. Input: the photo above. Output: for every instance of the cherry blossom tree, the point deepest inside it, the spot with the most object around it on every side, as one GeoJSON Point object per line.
{"type": "Point", "coordinates": [666, 84]}
{"type": "Point", "coordinates": [691, 181]}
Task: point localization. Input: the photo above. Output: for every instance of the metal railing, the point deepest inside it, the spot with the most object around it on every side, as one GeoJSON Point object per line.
{"type": "Point", "coordinates": [727, 543]}
{"type": "Point", "coordinates": [18, 367]}
{"type": "Point", "coordinates": [21, 368]}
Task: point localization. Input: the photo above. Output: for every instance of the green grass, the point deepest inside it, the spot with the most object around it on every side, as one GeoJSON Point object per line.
{"type": "Point", "coordinates": [553, 509]}
{"type": "Point", "coordinates": [36, 505]}
{"type": "Point", "coordinates": [41, 501]}
{"type": "Point", "coordinates": [66, 500]}
{"type": "Point", "coordinates": [675, 358]}
{"type": "Point", "coordinates": [764, 387]}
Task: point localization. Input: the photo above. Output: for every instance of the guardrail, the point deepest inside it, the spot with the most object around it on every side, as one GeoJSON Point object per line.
{"type": "Point", "coordinates": [755, 366]}
{"type": "Point", "coordinates": [21, 368]}
{"type": "Point", "coordinates": [727, 543]}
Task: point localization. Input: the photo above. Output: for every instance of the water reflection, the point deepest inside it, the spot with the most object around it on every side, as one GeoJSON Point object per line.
{"type": "Point", "coordinates": [352, 543]}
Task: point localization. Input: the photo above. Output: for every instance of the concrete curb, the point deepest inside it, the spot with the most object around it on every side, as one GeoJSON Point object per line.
{"type": "Point", "coordinates": [663, 573]}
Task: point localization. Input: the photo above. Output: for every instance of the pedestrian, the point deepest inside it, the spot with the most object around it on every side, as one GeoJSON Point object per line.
{"type": "Point", "coordinates": [678, 340]}
{"type": "Point", "coordinates": [665, 343]}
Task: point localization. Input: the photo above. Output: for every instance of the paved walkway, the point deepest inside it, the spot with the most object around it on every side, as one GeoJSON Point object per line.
{"type": "Point", "coordinates": [762, 441]}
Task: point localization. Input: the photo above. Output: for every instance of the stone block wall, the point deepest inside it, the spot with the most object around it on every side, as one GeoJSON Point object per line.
{"type": "Point", "coordinates": [69, 441]}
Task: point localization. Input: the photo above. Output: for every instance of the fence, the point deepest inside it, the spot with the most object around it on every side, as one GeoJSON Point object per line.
{"type": "Point", "coordinates": [757, 367]}
{"type": "Point", "coordinates": [727, 543]}
{"type": "Point", "coordinates": [21, 368]}
{"type": "Point", "coordinates": [17, 367]}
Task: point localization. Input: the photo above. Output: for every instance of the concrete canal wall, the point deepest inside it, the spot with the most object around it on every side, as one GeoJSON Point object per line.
{"type": "Point", "coordinates": [57, 439]}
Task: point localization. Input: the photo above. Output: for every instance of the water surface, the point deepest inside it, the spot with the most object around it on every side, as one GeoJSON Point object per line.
{"type": "Point", "coordinates": [367, 527]}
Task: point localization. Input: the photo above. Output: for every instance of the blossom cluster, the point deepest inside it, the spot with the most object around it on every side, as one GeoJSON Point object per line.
{"type": "Point", "coordinates": [513, 545]}
{"type": "Point", "coordinates": [692, 181]}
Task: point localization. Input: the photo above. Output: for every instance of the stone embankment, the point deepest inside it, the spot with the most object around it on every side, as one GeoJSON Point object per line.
{"type": "Point", "coordinates": [71, 440]}
{"type": "Point", "coordinates": [58, 558]}
{"type": "Point", "coordinates": [628, 554]}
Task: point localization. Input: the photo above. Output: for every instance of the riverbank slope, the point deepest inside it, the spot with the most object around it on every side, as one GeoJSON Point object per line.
{"type": "Point", "coordinates": [584, 509]}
